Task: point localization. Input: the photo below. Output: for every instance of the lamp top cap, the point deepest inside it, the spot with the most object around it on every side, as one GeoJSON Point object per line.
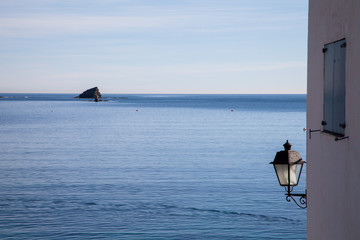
{"type": "Point", "coordinates": [287, 146]}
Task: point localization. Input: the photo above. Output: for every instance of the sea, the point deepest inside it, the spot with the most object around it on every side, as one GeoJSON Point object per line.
{"type": "Point", "coordinates": [148, 166]}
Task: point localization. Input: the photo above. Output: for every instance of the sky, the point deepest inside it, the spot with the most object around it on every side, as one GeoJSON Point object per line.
{"type": "Point", "coordinates": [154, 46]}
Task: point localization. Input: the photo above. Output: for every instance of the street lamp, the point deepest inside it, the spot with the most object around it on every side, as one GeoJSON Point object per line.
{"type": "Point", "coordinates": [288, 165]}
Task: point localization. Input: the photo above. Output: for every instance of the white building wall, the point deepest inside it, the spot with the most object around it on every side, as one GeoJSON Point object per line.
{"type": "Point", "coordinates": [333, 168]}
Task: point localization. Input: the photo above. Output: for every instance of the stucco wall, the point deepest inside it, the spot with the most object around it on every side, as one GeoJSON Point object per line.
{"type": "Point", "coordinates": [333, 168]}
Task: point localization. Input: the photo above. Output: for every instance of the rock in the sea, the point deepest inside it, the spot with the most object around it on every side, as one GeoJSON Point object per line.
{"type": "Point", "coordinates": [91, 93]}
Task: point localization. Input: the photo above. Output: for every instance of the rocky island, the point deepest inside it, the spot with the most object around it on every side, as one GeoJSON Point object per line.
{"type": "Point", "coordinates": [91, 93]}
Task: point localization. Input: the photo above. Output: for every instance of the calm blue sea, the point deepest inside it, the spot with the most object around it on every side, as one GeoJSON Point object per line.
{"type": "Point", "coordinates": [148, 166]}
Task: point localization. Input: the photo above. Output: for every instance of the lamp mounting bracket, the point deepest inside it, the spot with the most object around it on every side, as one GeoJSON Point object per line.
{"type": "Point", "coordinates": [302, 203]}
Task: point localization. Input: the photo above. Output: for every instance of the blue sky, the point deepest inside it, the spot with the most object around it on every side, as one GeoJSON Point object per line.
{"type": "Point", "coordinates": [153, 46]}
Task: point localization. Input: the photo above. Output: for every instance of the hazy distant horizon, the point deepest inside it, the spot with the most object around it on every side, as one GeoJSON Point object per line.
{"type": "Point", "coordinates": [156, 93]}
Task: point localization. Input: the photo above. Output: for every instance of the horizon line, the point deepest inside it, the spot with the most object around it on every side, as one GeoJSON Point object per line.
{"type": "Point", "coordinates": [106, 93]}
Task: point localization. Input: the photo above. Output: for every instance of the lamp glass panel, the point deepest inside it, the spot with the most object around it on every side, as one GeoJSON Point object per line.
{"type": "Point", "coordinates": [295, 171]}
{"type": "Point", "coordinates": [283, 175]}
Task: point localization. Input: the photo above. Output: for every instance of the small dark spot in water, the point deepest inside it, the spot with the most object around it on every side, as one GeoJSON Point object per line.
{"type": "Point", "coordinates": [90, 204]}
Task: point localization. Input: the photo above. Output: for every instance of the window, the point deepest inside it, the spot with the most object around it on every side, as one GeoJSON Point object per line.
{"type": "Point", "coordinates": [334, 87]}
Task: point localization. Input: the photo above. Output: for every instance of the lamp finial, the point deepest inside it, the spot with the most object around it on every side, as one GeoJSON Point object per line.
{"type": "Point", "coordinates": [287, 145]}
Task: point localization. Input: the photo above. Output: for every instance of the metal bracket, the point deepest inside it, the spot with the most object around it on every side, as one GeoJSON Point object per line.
{"type": "Point", "coordinates": [341, 138]}
{"type": "Point", "coordinates": [302, 200]}
{"type": "Point", "coordinates": [318, 130]}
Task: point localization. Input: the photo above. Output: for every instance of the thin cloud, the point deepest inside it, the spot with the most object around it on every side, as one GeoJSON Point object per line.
{"type": "Point", "coordinates": [77, 24]}
{"type": "Point", "coordinates": [149, 18]}
{"type": "Point", "coordinates": [108, 71]}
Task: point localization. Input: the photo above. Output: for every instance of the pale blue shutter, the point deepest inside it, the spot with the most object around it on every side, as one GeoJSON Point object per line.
{"type": "Point", "coordinates": [339, 87]}
{"type": "Point", "coordinates": [329, 87]}
{"type": "Point", "coordinates": [334, 87]}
